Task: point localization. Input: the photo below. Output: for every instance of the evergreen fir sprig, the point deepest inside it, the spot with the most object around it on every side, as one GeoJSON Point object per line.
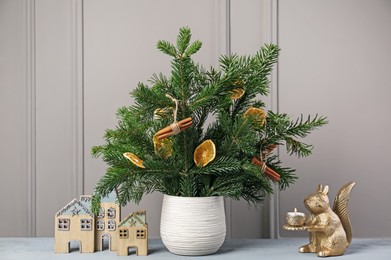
{"type": "Point", "coordinates": [230, 186]}
{"type": "Point", "coordinates": [281, 129]}
{"type": "Point", "coordinates": [302, 128]}
{"type": "Point", "coordinates": [239, 136]}
{"type": "Point", "coordinates": [193, 48]}
{"type": "Point", "coordinates": [168, 165]}
{"type": "Point", "coordinates": [156, 99]}
{"type": "Point", "coordinates": [167, 48]}
{"type": "Point", "coordinates": [287, 174]}
{"type": "Point", "coordinates": [221, 166]}
{"type": "Point", "coordinates": [183, 39]}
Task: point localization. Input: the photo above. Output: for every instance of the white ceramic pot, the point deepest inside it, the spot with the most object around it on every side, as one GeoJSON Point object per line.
{"type": "Point", "coordinates": [192, 225]}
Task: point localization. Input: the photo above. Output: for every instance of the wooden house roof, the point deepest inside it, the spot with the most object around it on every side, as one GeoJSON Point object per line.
{"type": "Point", "coordinates": [86, 200]}
{"type": "Point", "coordinates": [83, 205]}
{"type": "Point", "coordinates": [73, 208]}
{"type": "Point", "coordinates": [111, 198]}
{"type": "Point", "coordinates": [135, 219]}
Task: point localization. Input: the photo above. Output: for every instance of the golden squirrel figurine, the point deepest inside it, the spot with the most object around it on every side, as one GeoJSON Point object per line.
{"type": "Point", "coordinates": [330, 229]}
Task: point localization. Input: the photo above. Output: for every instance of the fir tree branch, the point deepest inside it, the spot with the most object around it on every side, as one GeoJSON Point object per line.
{"type": "Point", "coordinates": [280, 128]}
{"type": "Point", "coordinates": [240, 135]}
{"type": "Point", "coordinates": [221, 166]}
{"type": "Point", "coordinates": [183, 40]}
{"type": "Point", "coordinates": [193, 48]}
{"type": "Point", "coordinates": [287, 174]}
{"type": "Point", "coordinates": [167, 48]}
{"type": "Point", "coordinates": [230, 187]}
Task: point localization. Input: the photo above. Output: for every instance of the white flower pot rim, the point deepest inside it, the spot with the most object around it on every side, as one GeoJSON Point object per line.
{"type": "Point", "coordinates": [184, 197]}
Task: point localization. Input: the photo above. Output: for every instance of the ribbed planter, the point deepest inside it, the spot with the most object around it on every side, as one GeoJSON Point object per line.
{"type": "Point", "coordinates": [192, 225]}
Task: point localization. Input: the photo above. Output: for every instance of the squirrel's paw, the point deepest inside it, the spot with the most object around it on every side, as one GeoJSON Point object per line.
{"type": "Point", "coordinates": [323, 253]}
{"type": "Point", "coordinates": [307, 249]}
{"type": "Point", "coordinates": [327, 252]}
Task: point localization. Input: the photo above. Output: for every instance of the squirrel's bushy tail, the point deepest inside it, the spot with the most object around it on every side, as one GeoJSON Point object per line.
{"type": "Point", "coordinates": [341, 208]}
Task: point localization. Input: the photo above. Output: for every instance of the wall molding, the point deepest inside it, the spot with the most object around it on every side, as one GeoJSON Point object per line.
{"type": "Point", "coordinates": [270, 34]}
{"type": "Point", "coordinates": [28, 11]}
{"type": "Point", "coordinates": [28, 8]}
{"type": "Point", "coordinates": [225, 49]}
{"type": "Point", "coordinates": [77, 81]}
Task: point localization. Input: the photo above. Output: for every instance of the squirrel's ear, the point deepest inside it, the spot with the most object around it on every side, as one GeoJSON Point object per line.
{"type": "Point", "coordinates": [325, 190]}
{"type": "Point", "coordinates": [320, 188]}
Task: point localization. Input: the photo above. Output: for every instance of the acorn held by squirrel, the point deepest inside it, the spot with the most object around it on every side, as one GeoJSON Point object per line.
{"type": "Point", "coordinates": [330, 229]}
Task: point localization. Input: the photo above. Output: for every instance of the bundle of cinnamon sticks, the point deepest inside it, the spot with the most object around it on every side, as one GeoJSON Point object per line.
{"type": "Point", "coordinates": [268, 171]}
{"type": "Point", "coordinates": [174, 128]}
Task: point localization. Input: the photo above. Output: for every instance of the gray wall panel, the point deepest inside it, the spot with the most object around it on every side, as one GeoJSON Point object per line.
{"type": "Point", "coordinates": [248, 34]}
{"type": "Point", "coordinates": [13, 118]}
{"type": "Point", "coordinates": [335, 60]}
{"type": "Point", "coordinates": [54, 111]}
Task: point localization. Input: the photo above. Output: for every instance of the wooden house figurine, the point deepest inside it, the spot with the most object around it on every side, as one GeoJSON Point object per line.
{"type": "Point", "coordinates": [107, 223]}
{"type": "Point", "coordinates": [133, 232]}
{"type": "Point", "coordinates": [74, 222]}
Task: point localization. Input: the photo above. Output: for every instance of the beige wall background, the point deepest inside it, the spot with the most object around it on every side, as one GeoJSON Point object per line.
{"type": "Point", "coordinates": [67, 65]}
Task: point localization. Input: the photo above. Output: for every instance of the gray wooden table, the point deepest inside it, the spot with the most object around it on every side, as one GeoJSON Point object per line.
{"type": "Point", "coordinates": [42, 249]}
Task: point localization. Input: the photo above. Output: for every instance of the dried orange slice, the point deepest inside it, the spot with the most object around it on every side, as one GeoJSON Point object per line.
{"type": "Point", "coordinates": [161, 113]}
{"type": "Point", "coordinates": [204, 153]}
{"type": "Point", "coordinates": [239, 82]}
{"type": "Point", "coordinates": [236, 93]}
{"type": "Point", "coordinates": [134, 159]}
{"type": "Point", "coordinates": [258, 113]}
{"type": "Point", "coordinates": [163, 147]}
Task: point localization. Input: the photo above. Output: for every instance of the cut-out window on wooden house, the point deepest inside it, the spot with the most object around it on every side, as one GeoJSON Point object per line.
{"type": "Point", "coordinates": [111, 225]}
{"type": "Point", "coordinates": [63, 224]}
{"type": "Point", "coordinates": [100, 225]}
{"type": "Point", "coordinates": [123, 233]}
{"type": "Point", "coordinates": [86, 224]}
{"type": "Point", "coordinates": [111, 213]}
{"type": "Point", "coordinates": [101, 213]}
{"type": "Point", "coordinates": [140, 234]}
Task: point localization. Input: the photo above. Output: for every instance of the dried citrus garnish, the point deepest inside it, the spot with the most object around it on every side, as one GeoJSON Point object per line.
{"type": "Point", "coordinates": [236, 93]}
{"type": "Point", "coordinates": [134, 159]}
{"type": "Point", "coordinates": [204, 153]}
{"type": "Point", "coordinates": [258, 113]}
{"type": "Point", "coordinates": [239, 83]}
{"type": "Point", "coordinates": [163, 147]}
{"type": "Point", "coordinates": [161, 113]}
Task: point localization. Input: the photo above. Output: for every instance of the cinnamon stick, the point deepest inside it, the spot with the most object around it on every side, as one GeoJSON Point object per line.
{"type": "Point", "coordinates": [167, 131]}
{"type": "Point", "coordinates": [268, 171]}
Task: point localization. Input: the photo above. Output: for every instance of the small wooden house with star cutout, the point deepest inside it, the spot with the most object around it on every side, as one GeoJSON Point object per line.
{"type": "Point", "coordinates": [133, 233]}
{"type": "Point", "coordinates": [75, 222]}
{"type": "Point", "coordinates": [107, 222]}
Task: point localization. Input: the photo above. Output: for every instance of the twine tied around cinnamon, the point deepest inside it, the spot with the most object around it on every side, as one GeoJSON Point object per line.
{"type": "Point", "coordinates": [176, 127]}
{"type": "Point", "coordinates": [264, 168]}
